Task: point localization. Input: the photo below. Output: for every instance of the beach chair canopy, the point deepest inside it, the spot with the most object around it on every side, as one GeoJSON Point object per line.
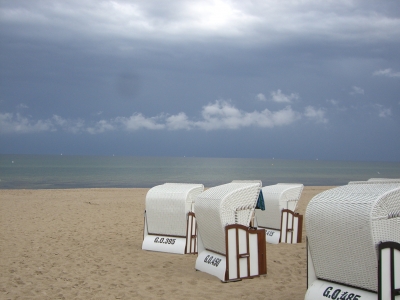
{"type": "Point", "coordinates": [217, 207]}
{"type": "Point", "coordinates": [385, 179]}
{"type": "Point", "coordinates": [344, 227]}
{"type": "Point", "coordinates": [276, 198]}
{"type": "Point", "coordinates": [378, 180]}
{"type": "Point", "coordinates": [167, 206]}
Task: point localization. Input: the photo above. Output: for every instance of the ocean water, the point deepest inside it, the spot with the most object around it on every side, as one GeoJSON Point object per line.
{"type": "Point", "coordinates": [51, 171]}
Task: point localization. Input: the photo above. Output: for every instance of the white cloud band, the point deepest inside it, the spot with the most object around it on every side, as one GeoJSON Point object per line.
{"type": "Point", "coordinates": [220, 115]}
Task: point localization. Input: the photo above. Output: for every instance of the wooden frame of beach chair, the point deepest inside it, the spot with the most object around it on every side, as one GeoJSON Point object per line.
{"type": "Point", "coordinates": [169, 219]}
{"type": "Point", "coordinates": [389, 268]}
{"type": "Point", "coordinates": [281, 223]}
{"type": "Point", "coordinates": [353, 243]}
{"type": "Point", "coordinates": [228, 247]}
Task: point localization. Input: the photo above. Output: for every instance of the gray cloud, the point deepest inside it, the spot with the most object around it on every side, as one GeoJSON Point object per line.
{"type": "Point", "coordinates": [387, 72]}
{"type": "Point", "coordinates": [357, 90]}
{"type": "Point", "coordinates": [22, 106]}
{"type": "Point", "coordinates": [104, 70]}
{"type": "Point", "coordinates": [256, 22]}
{"type": "Point", "coordinates": [383, 112]}
{"type": "Point", "coordinates": [280, 97]}
{"type": "Point", "coordinates": [318, 115]}
{"type": "Point", "coordinates": [10, 123]}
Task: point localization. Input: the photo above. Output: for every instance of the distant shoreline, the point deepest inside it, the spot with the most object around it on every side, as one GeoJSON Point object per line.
{"type": "Point", "coordinates": [66, 172]}
{"type": "Point", "coordinates": [120, 188]}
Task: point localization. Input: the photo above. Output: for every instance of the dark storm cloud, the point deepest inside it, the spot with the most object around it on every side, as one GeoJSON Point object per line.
{"type": "Point", "coordinates": [102, 68]}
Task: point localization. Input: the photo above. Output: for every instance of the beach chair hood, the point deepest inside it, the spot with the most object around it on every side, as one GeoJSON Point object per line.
{"type": "Point", "coordinates": [217, 207]}
{"type": "Point", "coordinates": [167, 206]}
{"type": "Point", "coordinates": [345, 226]}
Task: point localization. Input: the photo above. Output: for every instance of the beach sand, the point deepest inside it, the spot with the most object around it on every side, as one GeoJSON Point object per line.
{"type": "Point", "coordinates": [86, 244]}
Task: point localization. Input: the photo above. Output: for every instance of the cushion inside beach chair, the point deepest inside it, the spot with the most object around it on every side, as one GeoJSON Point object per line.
{"type": "Point", "coordinates": [345, 225]}
{"type": "Point", "coordinates": [167, 206]}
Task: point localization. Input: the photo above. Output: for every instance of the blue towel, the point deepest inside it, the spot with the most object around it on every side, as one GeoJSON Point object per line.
{"type": "Point", "coordinates": [260, 201]}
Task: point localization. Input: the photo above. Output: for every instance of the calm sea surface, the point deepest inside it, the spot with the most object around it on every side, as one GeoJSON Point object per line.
{"type": "Point", "coordinates": [50, 171]}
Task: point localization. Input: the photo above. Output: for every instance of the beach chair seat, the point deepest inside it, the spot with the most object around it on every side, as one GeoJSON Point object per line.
{"type": "Point", "coordinates": [228, 247]}
{"type": "Point", "coordinates": [170, 224]}
{"type": "Point", "coordinates": [353, 235]}
{"type": "Point", "coordinates": [279, 219]}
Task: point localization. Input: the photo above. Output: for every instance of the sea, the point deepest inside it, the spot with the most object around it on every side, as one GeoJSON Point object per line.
{"type": "Point", "coordinates": [67, 171]}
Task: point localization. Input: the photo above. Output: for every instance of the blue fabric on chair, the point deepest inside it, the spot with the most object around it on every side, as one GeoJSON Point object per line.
{"type": "Point", "coordinates": [260, 201]}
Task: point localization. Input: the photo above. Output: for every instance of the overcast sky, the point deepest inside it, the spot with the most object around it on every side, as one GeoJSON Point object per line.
{"type": "Point", "coordinates": [285, 79]}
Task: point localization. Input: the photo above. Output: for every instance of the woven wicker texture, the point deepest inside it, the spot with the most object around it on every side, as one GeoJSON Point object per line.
{"type": "Point", "coordinates": [217, 207]}
{"type": "Point", "coordinates": [385, 179]}
{"type": "Point", "coordinates": [377, 180]}
{"type": "Point", "coordinates": [167, 206]}
{"type": "Point", "coordinates": [276, 198]}
{"type": "Point", "coordinates": [344, 226]}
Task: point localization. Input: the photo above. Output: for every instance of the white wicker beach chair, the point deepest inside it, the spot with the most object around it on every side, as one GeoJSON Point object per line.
{"type": "Point", "coordinates": [169, 218]}
{"type": "Point", "coordinates": [348, 229]}
{"type": "Point", "coordinates": [228, 247]}
{"type": "Point", "coordinates": [279, 219]}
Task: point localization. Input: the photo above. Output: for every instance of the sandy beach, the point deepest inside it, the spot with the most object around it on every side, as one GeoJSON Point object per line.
{"type": "Point", "coordinates": [86, 244]}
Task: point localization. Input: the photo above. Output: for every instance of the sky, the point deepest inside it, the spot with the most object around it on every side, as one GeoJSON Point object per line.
{"type": "Point", "coordinates": [296, 79]}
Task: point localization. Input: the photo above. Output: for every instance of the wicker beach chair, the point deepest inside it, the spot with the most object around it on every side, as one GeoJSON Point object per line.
{"type": "Point", "coordinates": [228, 247]}
{"type": "Point", "coordinates": [354, 242]}
{"type": "Point", "coordinates": [279, 219]}
{"type": "Point", "coordinates": [169, 218]}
